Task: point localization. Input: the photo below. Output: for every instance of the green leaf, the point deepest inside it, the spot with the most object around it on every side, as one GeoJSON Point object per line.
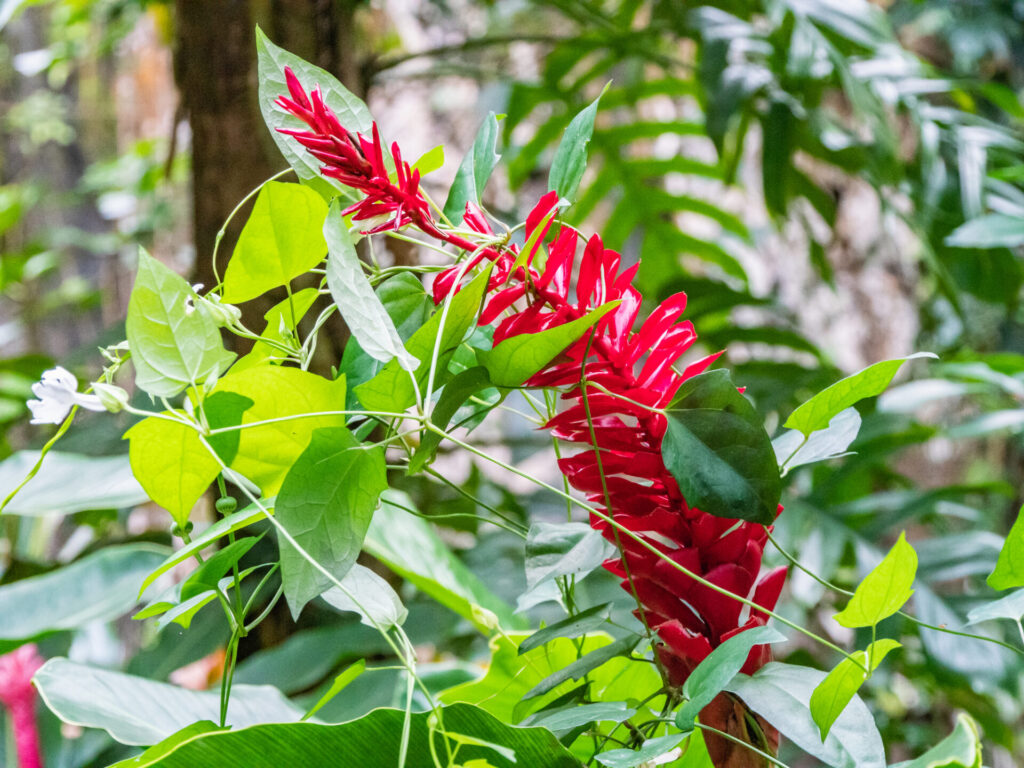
{"type": "Point", "coordinates": [583, 665]}
{"type": "Point", "coordinates": [138, 711]}
{"type": "Point", "coordinates": [574, 715]}
{"type": "Point", "coordinates": [516, 359]}
{"type": "Point", "coordinates": [392, 389]}
{"type": "Point", "coordinates": [171, 463]}
{"type": "Point", "coordinates": [961, 749]}
{"type": "Point", "coordinates": [474, 170]}
{"type": "Point", "coordinates": [781, 694]}
{"type": "Point", "coordinates": [1009, 607]}
{"type": "Point", "coordinates": [630, 758]}
{"type": "Point", "coordinates": [563, 549]}
{"type": "Point", "coordinates": [352, 113]}
{"type": "Point", "coordinates": [67, 483]}
{"type": "Point", "coordinates": [266, 452]}
{"type": "Point", "coordinates": [791, 450]}
{"type": "Point", "coordinates": [99, 587]}
{"type": "Point", "coordinates": [372, 741]}
{"type": "Point", "coordinates": [1009, 571]}
{"type": "Point", "coordinates": [282, 319]}
{"type": "Point", "coordinates": [817, 412]}
{"type": "Point", "coordinates": [455, 393]}
{"type": "Point", "coordinates": [410, 547]}
{"type": "Point", "coordinates": [326, 503]}
{"type": "Point", "coordinates": [779, 126]}
{"type": "Point", "coordinates": [883, 591]}
{"type": "Point", "coordinates": [172, 345]}
{"type": "Point", "coordinates": [282, 239]}
{"type": "Point", "coordinates": [370, 596]}
{"type": "Point", "coordinates": [840, 685]}
{"type": "Point", "coordinates": [717, 450]}
{"type": "Point", "coordinates": [350, 673]}
{"type": "Point", "coordinates": [362, 310]}
{"type": "Point", "coordinates": [576, 625]}
{"type": "Point", "coordinates": [430, 161]}
{"type": "Point", "coordinates": [995, 230]}
{"type": "Point", "coordinates": [212, 570]}
{"type": "Point", "coordinates": [570, 158]}
{"type": "Point", "coordinates": [713, 674]}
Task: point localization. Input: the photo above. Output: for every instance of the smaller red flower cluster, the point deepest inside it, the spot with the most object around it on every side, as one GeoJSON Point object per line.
{"type": "Point", "coordinates": [18, 697]}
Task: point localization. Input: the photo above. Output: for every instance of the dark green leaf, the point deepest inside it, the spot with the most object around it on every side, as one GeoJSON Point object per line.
{"type": "Point", "coordinates": [455, 393]}
{"type": "Point", "coordinates": [571, 156]}
{"type": "Point", "coordinates": [563, 549]}
{"type": "Point", "coordinates": [210, 572]}
{"type": "Point", "coordinates": [574, 715]}
{"type": "Point", "coordinates": [577, 625]}
{"type": "Point", "coordinates": [582, 666]}
{"type": "Point", "coordinates": [474, 171]}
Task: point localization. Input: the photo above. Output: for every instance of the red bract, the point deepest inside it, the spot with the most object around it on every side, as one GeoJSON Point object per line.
{"type": "Point", "coordinates": [19, 698]}
{"type": "Point", "coordinates": [615, 380]}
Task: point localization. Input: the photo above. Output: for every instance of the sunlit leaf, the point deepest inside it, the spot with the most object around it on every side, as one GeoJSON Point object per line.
{"type": "Point", "coordinates": [1009, 570]}
{"type": "Point", "coordinates": [835, 692]}
{"type": "Point", "coordinates": [883, 591]}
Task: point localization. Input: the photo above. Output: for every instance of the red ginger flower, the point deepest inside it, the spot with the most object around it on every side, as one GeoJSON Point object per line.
{"type": "Point", "coordinates": [19, 698]}
{"type": "Point", "coordinates": [627, 374]}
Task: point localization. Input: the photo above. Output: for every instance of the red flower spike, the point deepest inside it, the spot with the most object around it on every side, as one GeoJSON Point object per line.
{"type": "Point", "coordinates": [638, 492]}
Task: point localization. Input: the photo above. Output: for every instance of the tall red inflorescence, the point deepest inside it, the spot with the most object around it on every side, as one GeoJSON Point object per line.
{"type": "Point", "coordinates": [18, 697]}
{"type": "Point", "coordinates": [614, 381]}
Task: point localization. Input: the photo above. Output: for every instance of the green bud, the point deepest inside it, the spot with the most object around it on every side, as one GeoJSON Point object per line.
{"type": "Point", "coordinates": [226, 505]}
{"type": "Point", "coordinates": [176, 530]}
{"type": "Point", "coordinates": [112, 397]}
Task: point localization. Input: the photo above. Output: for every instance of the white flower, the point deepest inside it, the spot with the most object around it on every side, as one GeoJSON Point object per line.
{"type": "Point", "coordinates": [57, 393]}
{"type": "Point", "coordinates": [668, 757]}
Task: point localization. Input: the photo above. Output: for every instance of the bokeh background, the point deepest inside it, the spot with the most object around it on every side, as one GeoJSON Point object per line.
{"type": "Point", "coordinates": [831, 182]}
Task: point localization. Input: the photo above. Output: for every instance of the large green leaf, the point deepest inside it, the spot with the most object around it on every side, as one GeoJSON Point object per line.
{"type": "Point", "coordinates": [717, 450]}
{"type": "Point", "coordinates": [996, 230]}
{"type": "Point", "coordinates": [570, 160]}
{"type": "Point", "coordinates": [68, 483]}
{"type": "Point", "coordinates": [171, 463]}
{"type": "Point", "coordinates": [516, 359]}
{"type": "Point", "coordinates": [172, 345]}
{"type": "Point", "coordinates": [266, 452]}
{"type": "Point", "coordinates": [408, 545]}
{"type": "Point", "coordinates": [781, 694]}
{"type": "Point", "coordinates": [474, 170]}
{"type": "Point", "coordinates": [364, 592]}
{"type": "Point", "coordinates": [817, 412]}
{"type": "Point", "coordinates": [99, 587]}
{"type": "Point", "coordinates": [840, 685]}
{"type": "Point", "coordinates": [282, 239]}
{"type": "Point", "coordinates": [135, 710]}
{"type": "Point", "coordinates": [373, 741]}
{"type": "Point", "coordinates": [961, 749]}
{"type": "Point", "coordinates": [792, 449]}
{"type": "Point", "coordinates": [392, 388]}
{"type": "Point", "coordinates": [563, 549]}
{"type": "Point", "coordinates": [883, 591]}
{"type": "Point", "coordinates": [361, 308]}
{"type": "Point", "coordinates": [1009, 571]}
{"type": "Point", "coordinates": [351, 112]}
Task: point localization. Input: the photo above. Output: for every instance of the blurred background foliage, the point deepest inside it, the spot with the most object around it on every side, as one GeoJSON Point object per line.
{"type": "Point", "coordinates": [832, 182]}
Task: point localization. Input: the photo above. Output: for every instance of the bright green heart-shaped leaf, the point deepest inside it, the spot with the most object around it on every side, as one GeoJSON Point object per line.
{"type": "Point", "coordinates": [1009, 570]}
{"type": "Point", "coordinates": [474, 170]}
{"type": "Point", "coordinates": [367, 594]}
{"type": "Point", "coordinates": [716, 670]}
{"type": "Point", "coordinates": [717, 450]}
{"type": "Point", "coordinates": [883, 591]}
{"type": "Point", "coordinates": [841, 684]}
{"type": "Point", "coordinates": [516, 359]}
{"type": "Point", "coordinates": [282, 239]}
{"type": "Point", "coordinates": [961, 749]}
{"type": "Point", "coordinates": [361, 308]}
{"type": "Point", "coordinates": [172, 344]}
{"type": "Point", "coordinates": [289, 405]}
{"type": "Point", "coordinates": [351, 111]}
{"type": "Point", "coordinates": [455, 393]}
{"type": "Point", "coordinates": [138, 711]}
{"type": "Point", "coordinates": [817, 412]}
{"type": "Point", "coordinates": [577, 625]}
{"type": "Point", "coordinates": [791, 450]}
{"type": "Point", "coordinates": [326, 503]}
{"type": "Point", "coordinates": [171, 463]}
{"type": "Point", "coordinates": [570, 160]}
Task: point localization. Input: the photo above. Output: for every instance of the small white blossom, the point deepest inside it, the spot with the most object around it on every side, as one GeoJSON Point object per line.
{"type": "Point", "coordinates": [668, 757]}
{"type": "Point", "coordinates": [57, 393]}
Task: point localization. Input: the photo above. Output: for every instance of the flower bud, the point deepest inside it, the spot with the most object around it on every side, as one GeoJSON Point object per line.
{"type": "Point", "coordinates": [222, 314]}
{"type": "Point", "coordinates": [112, 397]}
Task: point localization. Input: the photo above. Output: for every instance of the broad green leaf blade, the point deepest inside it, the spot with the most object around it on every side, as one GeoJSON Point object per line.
{"type": "Point", "coordinates": [410, 547]}
{"type": "Point", "coordinates": [172, 345]}
{"type": "Point", "coordinates": [577, 625]}
{"type": "Point", "coordinates": [362, 310]}
{"type": "Point", "coordinates": [781, 694]}
{"type": "Point", "coordinates": [883, 591]}
{"type": "Point", "coordinates": [574, 715]}
{"type": "Point", "coordinates": [817, 412]}
{"type": "Point", "coordinates": [830, 443]}
{"type": "Point", "coordinates": [369, 742]}
{"type": "Point", "coordinates": [99, 587]}
{"type": "Point", "coordinates": [996, 230]}
{"type": "Point", "coordinates": [516, 359]}
{"type": "Point", "coordinates": [1009, 571]}
{"type": "Point", "coordinates": [392, 389]}
{"type": "Point", "coordinates": [717, 669]}
{"type": "Point", "coordinates": [583, 666]}
{"type": "Point", "coordinates": [326, 503]}
{"type": "Point", "coordinates": [294, 398]}
{"type": "Point", "coordinates": [570, 160]}
{"type": "Point", "coordinates": [840, 685]}
{"type": "Point", "coordinates": [352, 113]}
{"type": "Point", "coordinates": [652, 748]}
{"type": "Point", "coordinates": [563, 549]}
{"type": "Point", "coordinates": [69, 482]}
{"type": "Point", "coordinates": [282, 239]}
{"type": "Point", "coordinates": [138, 711]}
{"type": "Point", "coordinates": [474, 170]}
{"type": "Point", "coordinates": [370, 596]}
{"type": "Point", "coordinates": [171, 463]}
{"type": "Point", "coordinates": [455, 393]}
{"type": "Point", "coordinates": [717, 450]}
{"type": "Point", "coordinates": [961, 749]}
{"type": "Point", "coordinates": [1009, 607]}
